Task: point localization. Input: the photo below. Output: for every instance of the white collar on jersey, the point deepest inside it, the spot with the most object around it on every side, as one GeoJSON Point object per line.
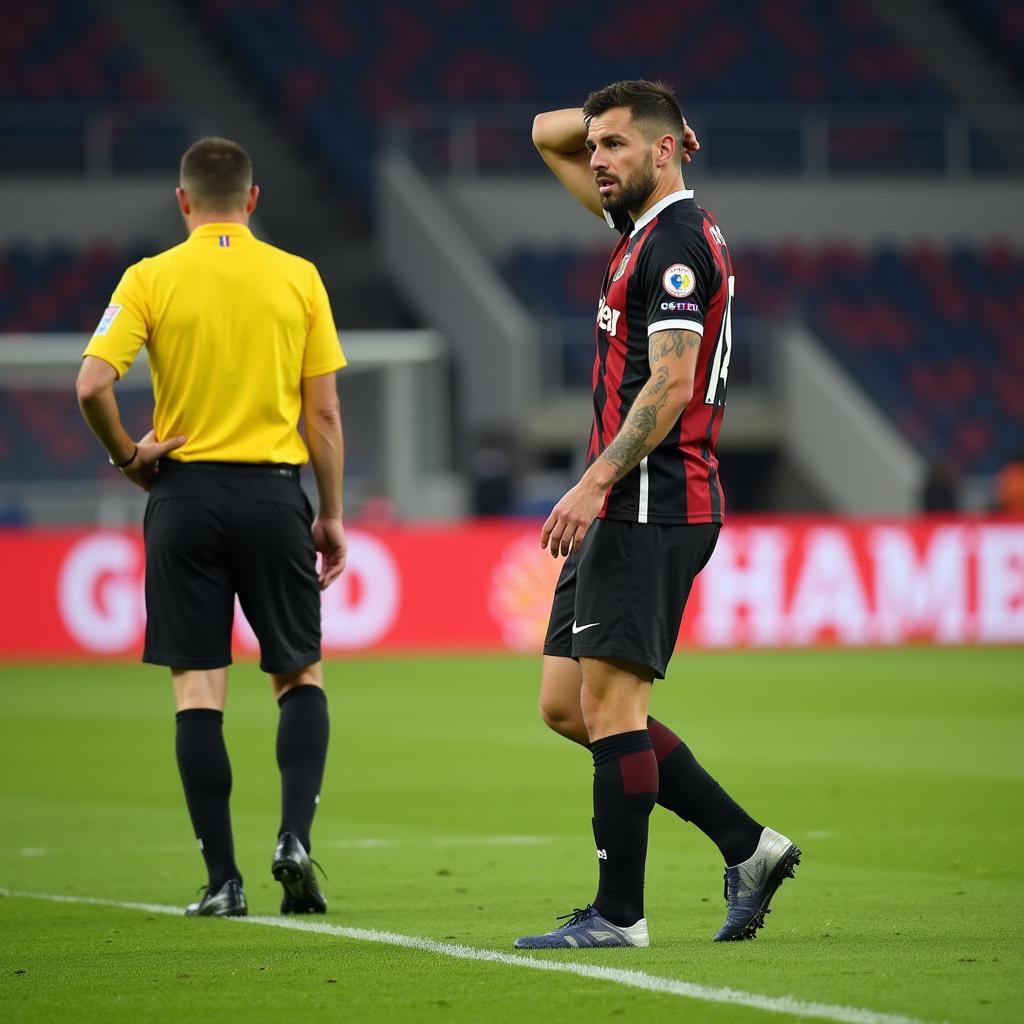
{"type": "Point", "coordinates": [683, 193]}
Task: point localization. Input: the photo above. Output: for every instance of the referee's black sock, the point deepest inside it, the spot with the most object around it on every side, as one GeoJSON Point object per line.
{"type": "Point", "coordinates": [688, 790]}
{"type": "Point", "coordinates": [625, 789]}
{"type": "Point", "coordinates": [206, 775]}
{"type": "Point", "coordinates": [302, 734]}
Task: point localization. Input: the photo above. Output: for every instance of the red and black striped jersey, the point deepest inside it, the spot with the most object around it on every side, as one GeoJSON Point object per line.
{"type": "Point", "coordinates": [670, 271]}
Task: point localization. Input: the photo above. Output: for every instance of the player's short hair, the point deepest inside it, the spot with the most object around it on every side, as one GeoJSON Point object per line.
{"type": "Point", "coordinates": [652, 105]}
{"type": "Point", "coordinates": [217, 174]}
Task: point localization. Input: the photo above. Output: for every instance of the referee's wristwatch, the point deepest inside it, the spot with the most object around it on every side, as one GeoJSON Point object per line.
{"type": "Point", "coordinates": [127, 462]}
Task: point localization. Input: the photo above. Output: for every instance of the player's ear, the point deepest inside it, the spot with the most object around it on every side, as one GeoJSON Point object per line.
{"type": "Point", "coordinates": [183, 203]}
{"type": "Point", "coordinates": [254, 195]}
{"type": "Point", "coordinates": [665, 152]}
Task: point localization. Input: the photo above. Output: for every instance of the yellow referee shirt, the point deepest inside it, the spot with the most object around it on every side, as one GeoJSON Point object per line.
{"type": "Point", "coordinates": [231, 325]}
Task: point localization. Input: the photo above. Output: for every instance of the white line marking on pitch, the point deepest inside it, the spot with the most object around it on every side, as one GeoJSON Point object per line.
{"type": "Point", "coordinates": [632, 979]}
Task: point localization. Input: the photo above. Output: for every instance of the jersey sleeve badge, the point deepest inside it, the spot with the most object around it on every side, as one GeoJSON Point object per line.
{"type": "Point", "coordinates": [106, 321]}
{"type": "Point", "coordinates": [679, 280]}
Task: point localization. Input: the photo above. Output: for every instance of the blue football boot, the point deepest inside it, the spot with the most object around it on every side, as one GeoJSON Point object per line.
{"type": "Point", "coordinates": [585, 929]}
{"type": "Point", "coordinates": [750, 886]}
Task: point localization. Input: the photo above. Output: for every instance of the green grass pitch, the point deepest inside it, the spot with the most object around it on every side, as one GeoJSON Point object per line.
{"type": "Point", "coordinates": [450, 813]}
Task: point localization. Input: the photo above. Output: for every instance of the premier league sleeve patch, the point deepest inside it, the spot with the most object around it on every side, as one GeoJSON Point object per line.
{"type": "Point", "coordinates": [679, 280]}
{"type": "Point", "coordinates": [109, 316]}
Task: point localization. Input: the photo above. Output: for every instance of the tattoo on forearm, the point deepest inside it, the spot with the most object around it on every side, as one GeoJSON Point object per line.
{"type": "Point", "coordinates": [633, 440]}
{"type": "Point", "coordinates": [658, 384]}
{"type": "Point", "coordinates": [674, 342]}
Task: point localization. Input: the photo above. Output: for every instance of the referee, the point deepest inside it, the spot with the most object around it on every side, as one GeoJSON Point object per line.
{"type": "Point", "coordinates": [241, 340]}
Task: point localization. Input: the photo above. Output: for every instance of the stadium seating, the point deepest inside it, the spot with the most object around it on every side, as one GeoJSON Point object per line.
{"type": "Point", "coordinates": [42, 436]}
{"type": "Point", "coordinates": [335, 72]}
{"type": "Point", "coordinates": [59, 288]}
{"type": "Point", "coordinates": [56, 49]}
{"type": "Point", "coordinates": [931, 335]}
{"type": "Point", "coordinates": [65, 81]}
{"type": "Point", "coordinates": [54, 290]}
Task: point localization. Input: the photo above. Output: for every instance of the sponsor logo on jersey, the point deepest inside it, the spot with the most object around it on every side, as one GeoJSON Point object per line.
{"type": "Point", "coordinates": [681, 307]}
{"type": "Point", "coordinates": [621, 268]}
{"type": "Point", "coordinates": [607, 317]}
{"type": "Point", "coordinates": [109, 316]}
{"type": "Point", "coordinates": [679, 280]}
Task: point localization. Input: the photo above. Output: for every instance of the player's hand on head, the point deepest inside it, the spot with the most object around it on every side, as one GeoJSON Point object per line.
{"type": "Point", "coordinates": [143, 468]}
{"type": "Point", "coordinates": [329, 540]}
{"type": "Point", "coordinates": [690, 144]}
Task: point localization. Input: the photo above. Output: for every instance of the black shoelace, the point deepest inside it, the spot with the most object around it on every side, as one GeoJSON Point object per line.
{"type": "Point", "coordinates": [577, 915]}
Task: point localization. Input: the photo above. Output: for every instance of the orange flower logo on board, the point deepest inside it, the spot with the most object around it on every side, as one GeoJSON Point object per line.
{"type": "Point", "coordinates": [522, 584]}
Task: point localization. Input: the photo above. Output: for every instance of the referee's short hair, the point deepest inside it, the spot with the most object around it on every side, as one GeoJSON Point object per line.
{"type": "Point", "coordinates": [652, 105]}
{"type": "Point", "coordinates": [217, 174]}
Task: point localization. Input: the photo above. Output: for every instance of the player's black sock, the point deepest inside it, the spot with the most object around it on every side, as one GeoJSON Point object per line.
{"type": "Point", "coordinates": [302, 734]}
{"type": "Point", "coordinates": [688, 790]}
{"type": "Point", "coordinates": [206, 775]}
{"type": "Point", "coordinates": [625, 789]}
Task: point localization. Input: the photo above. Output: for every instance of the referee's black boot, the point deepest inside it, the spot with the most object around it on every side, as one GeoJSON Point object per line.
{"type": "Point", "coordinates": [227, 901]}
{"type": "Point", "coordinates": [293, 868]}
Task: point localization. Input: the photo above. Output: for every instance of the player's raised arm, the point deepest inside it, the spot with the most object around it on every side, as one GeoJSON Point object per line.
{"type": "Point", "coordinates": [560, 137]}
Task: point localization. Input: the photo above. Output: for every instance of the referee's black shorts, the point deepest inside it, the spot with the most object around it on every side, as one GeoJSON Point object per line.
{"type": "Point", "coordinates": [217, 529]}
{"type": "Point", "coordinates": [623, 593]}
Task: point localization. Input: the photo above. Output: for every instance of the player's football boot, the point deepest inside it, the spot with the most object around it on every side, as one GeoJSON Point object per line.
{"type": "Point", "coordinates": [227, 901]}
{"type": "Point", "coordinates": [293, 868]}
{"type": "Point", "coordinates": [750, 886]}
{"type": "Point", "coordinates": [584, 929]}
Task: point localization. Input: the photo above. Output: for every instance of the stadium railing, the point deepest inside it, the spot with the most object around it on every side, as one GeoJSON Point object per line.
{"type": "Point", "coordinates": [94, 138]}
{"type": "Point", "coordinates": [806, 139]}
{"type": "Point", "coordinates": [811, 140]}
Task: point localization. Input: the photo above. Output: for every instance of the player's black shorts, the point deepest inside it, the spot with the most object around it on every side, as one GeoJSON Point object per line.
{"type": "Point", "coordinates": [217, 529]}
{"type": "Point", "coordinates": [623, 593]}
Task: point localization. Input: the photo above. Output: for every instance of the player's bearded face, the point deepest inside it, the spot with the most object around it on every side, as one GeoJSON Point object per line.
{"type": "Point", "coordinates": [633, 190]}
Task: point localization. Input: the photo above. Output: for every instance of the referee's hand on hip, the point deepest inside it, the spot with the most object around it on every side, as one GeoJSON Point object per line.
{"type": "Point", "coordinates": [143, 468]}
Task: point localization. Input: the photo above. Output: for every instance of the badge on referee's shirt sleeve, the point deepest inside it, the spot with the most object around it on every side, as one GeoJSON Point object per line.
{"type": "Point", "coordinates": [109, 316]}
